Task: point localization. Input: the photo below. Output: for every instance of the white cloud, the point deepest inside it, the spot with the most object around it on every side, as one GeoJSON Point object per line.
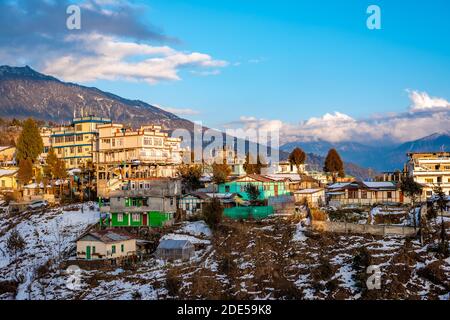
{"type": "Point", "coordinates": [421, 101]}
{"type": "Point", "coordinates": [337, 127]}
{"type": "Point", "coordinates": [181, 112]}
{"type": "Point", "coordinates": [112, 59]}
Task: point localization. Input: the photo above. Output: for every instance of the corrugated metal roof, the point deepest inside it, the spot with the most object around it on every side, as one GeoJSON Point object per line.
{"type": "Point", "coordinates": [174, 244]}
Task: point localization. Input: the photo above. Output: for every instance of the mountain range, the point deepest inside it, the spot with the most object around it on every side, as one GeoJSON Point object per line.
{"type": "Point", "coordinates": [25, 92]}
{"type": "Point", "coordinates": [379, 158]}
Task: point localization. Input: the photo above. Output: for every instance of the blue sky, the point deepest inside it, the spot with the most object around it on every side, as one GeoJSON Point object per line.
{"type": "Point", "coordinates": [314, 57]}
{"type": "Point", "coordinates": [287, 64]}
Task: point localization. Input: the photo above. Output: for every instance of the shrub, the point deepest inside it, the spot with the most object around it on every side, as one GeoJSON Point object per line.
{"type": "Point", "coordinates": [213, 213]}
{"type": "Point", "coordinates": [173, 284]}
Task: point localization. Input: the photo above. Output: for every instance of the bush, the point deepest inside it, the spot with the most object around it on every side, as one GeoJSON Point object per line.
{"type": "Point", "coordinates": [213, 213]}
{"type": "Point", "coordinates": [173, 284]}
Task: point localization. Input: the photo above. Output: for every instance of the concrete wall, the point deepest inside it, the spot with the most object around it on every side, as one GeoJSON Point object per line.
{"type": "Point", "coordinates": [343, 227]}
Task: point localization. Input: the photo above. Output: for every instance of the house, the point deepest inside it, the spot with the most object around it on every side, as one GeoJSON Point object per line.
{"type": "Point", "coordinates": [430, 169]}
{"type": "Point", "coordinates": [193, 202]}
{"type": "Point", "coordinates": [106, 245]}
{"type": "Point", "coordinates": [365, 193]}
{"type": "Point", "coordinates": [7, 155]}
{"type": "Point", "coordinates": [268, 187]}
{"type": "Point", "coordinates": [8, 179]}
{"type": "Point", "coordinates": [175, 250]}
{"type": "Point", "coordinates": [314, 197]}
{"type": "Point", "coordinates": [142, 203]}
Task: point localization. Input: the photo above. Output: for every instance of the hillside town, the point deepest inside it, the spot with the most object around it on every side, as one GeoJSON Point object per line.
{"type": "Point", "coordinates": [101, 197]}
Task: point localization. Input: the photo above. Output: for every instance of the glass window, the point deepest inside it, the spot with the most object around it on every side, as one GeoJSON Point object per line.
{"type": "Point", "coordinates": [122, 247]}
{"type": "Point", "coordinates": [120, 217]}
{"type": "Point", "coordinates": [136, 217]}
{"type": "Point", "coordinates": [113, 249]}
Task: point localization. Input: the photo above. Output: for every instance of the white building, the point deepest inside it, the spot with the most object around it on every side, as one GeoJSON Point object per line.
{"type": "Point", "coordinates": [430, 169]}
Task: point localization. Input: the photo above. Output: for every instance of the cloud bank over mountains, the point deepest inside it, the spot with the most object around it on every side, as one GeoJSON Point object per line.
{"type": "Point", "coordinates": [426, 115]}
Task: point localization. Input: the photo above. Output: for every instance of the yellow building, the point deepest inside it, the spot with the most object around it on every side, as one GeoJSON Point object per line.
{"type": "Point", "coordinates": [106, 245]}
{"type": "Point", "coordinates": [77, 142]}
{"type": "Point", "coordinates": [8, 179]}
{"type": "Point", "coordinates": [7, 155]}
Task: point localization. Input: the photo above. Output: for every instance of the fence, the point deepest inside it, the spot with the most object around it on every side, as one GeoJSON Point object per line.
{"type": "Point", "coordinates": [257, 213]}
{"type": "Point", "coordinates": [380, 230]}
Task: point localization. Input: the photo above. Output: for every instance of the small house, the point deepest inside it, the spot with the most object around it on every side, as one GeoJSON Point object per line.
{"type": "Point", "coordinates": [193, 202]}
{"type": "Point", "coordinates": [267, 186]}
{"type": "Point", "coordinates": [8, 179]}
{"type": "Point", "coordinates": [175, 250]}
{"type": "Point", "coordinates": [314, 197]}
{"type": "Point", "coordinates": [365, 193]}
{"type": "Point", "coordinates": [106, 245]}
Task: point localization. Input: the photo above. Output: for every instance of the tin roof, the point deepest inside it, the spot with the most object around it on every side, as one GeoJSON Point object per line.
{"type": "Point", "coordinates": [108, 236]}
{"type": "Point", "coordinates": [174, 244]}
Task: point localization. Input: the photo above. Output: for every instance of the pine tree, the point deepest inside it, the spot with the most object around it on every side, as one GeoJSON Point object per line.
{"type": "Point", "coordinates": [29, 144]}
{"type": "Point", "coordinates": [334, 165]}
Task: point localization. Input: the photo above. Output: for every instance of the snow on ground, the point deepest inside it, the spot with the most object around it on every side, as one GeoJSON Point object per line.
{"type": "Point", "coordinates": [196, 228]}
{"type": "Point", "coordinates": [299, 233]}
{"type": "Point", "coordinates": [48, 235]}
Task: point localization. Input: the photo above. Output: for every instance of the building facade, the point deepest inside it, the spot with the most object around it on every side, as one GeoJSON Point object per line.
{"type": "Point", "coordinates": [77, 142]}
{"type": "Point", "coordinates": [430, 169]}
{"type": "Point", "coordinates": [365, 193]}
{"type": "Point", "coordinates": [144, 153]}
{"type": "Point", "coordinates": [268, 187]}
{"type": "Point", "coordinates": [142, 203]}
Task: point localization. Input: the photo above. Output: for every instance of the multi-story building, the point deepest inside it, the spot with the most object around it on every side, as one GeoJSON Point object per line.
{"type": "Point", "coordinates": [77, 142]}
{"type": "Point", "coordinates": [430, 169]}
{"type": "Point", "coordinates": [144, 153]}
{"type": "Point", "coordinates": [142, 203]}
{"type": "Point", "coordinates": [46, 134]}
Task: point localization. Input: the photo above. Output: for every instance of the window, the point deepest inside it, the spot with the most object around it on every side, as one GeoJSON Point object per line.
{"type": "Point", "coordinates": [113, 249]}
{"type": "Point", "coordinates": [363, 194]}
{"type": "Point", "coordinates": [171, 201]}
{"type": "Point", "coordinates": [136, 217]}
{"type": "Point", "coordinates": [439, 180]}
{"type": "Point", "coordinates": [79, 127]}
{"type": "Point", "coordinates": [429, 193]}
{"type": "Point", "coordinates": [429, 180]}
{"type": "Point", "coordinates": [70, 139]}
{"type": "Point", "coordinates": [122, 248]}
{"type": "Point", "coordinates": [93, 249]}
{"type": "Point", "coordinates": [79, 138]}
{"type": "Point", "coordinates": [148, 141]}
{"type": "Point", "coordinates": [59, 139]}
{"type": "Point", "coordinates": [80, 150]}
{"type": "Point", "coordinates": [3, 183]}
{"type": "Point", "coordinates": [59, 151]}
{"type": "Point", "coordinates": [120, 217]}
{"type": "Point", "coordinates": [389, 194]}
{"type": "Point", "coordinates": [227, 189]}
{"type": "Point", "coordinates": [72, 150]}
{"type": "Point", "coordinates": [353, 194]}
